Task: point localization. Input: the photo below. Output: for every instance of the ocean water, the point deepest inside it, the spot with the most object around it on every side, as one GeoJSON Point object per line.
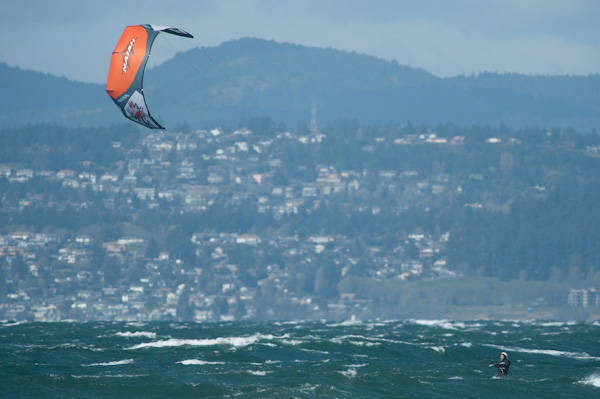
{"type": "Point", "coordinates": [383, 359]}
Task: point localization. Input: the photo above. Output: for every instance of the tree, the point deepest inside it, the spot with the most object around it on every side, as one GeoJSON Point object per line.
{"type": "Point", "coordinates": [184, 311]}
{"type": "Point", "coordinates": [19, 268]}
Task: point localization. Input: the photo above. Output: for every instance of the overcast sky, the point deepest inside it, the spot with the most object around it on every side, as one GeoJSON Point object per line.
{"type": "Point", "coordinates": [74, 38]}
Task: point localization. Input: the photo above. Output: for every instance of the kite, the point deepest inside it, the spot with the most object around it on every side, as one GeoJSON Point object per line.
{"type": "Point", "coordinates": [126, 72]}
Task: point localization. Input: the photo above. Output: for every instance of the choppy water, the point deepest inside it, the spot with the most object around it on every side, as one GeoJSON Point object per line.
{"type": "Point", "coordinates": [392, 359]}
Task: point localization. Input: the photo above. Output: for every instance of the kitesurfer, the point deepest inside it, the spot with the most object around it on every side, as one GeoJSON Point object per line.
{"type": "Point", "coordinates": [503, 365]}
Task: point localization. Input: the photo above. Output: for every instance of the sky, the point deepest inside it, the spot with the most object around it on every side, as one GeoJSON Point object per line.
{"type": "Point", "coordinates": [74, 38]}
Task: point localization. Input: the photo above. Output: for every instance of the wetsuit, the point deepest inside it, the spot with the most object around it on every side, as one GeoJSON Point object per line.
{"type": "Point", "coordinates": [503, 367]}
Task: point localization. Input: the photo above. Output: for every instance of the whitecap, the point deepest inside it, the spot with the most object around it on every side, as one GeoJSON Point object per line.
{"type": "Point", "coordinates": [551, 324]}
{"type": "Point", "coordinates": [198, 362]}
{"type": "Point", "coordinates": [116, 363]}
{"type": "Point", "coordinates": [315, 351]}
{"type": "Point", "coordinates": [355, 365]}
{"type": "Point", "coordinates": [466, 344]}
{"type": "Point", "coordinates": [549, 352]}
{"type": "Point", "coordinates": [257, 372]}
{"type": "Point", "coordinates": [6, 323]}
{"type": "Point", "coordinates": [136, 324]}
{"type": "Point", "coordinates": [111, 376]}
{"type": "Point", "coordinates": [350, 373]}
{"type": "Point", "coordinates": [439, 349]}
{"type": "Point", "coordinates": [443, 323]}
{"type": "Point", "coordinates": [349, 339]}
{"type": "Point", "coordinates": [290, 323]}
{"type": "Point", "coordinates": [174, 342]}
{"type": "Point", "coordinates": [144, 334]}
{"type": "Point", "coordinates": [292, 342]}
{"type": "Point", "coordinates": [593, 380]}
{"type": "Point", "coordinates": [352, 322]}
{"type": "Point", "coordinates": [456, 377]}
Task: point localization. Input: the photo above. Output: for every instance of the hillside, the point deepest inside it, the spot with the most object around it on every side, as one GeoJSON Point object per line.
{"type": "Point", "coordinates": [252, 77]}
{"type": "Point", "coordinates": [396, 221]}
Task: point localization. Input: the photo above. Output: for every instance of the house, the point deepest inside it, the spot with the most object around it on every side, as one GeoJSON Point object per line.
{"type": "Point", "coordinates": [583, 297]}
{"type": "Point", "coordinates": [65, 174]}
{"type": "Point", "coordinates": [320, 239]}
{"type": "Point", "coordinates": [248, 239]}
{"type": "Point", "coordinates": [144, 193]}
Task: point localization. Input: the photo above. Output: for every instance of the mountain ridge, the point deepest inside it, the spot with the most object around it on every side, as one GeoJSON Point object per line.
{"type": "Point", "coordinates": [254, 77]}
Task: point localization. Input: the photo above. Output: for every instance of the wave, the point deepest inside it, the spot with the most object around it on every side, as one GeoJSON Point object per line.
{"type": "Point", "coordinates": [593, 380]}
{"type": "Point", "coordinates": [439, 349]}
{"type": "Point", "coordinates": [550, 352]}
{"type": "Point", "coordinates": [257, 372]}
{"type": "Point", "coordinates": [443, 323]}
{"type": "Point", "coordinates": [137, 334]}
{"type": "Point", "coordinates": [116, 363]}
{"type": "Point", "coordinates": [350, 373]}
{"type": "Point", "coordinates": [355, 365]}
{"type": "Point", "coordinates": [346, 323]}
{"type": "Point", "coordinates": [292, 342]}
{"type": "Point", "coordinates": [358, 340]}
{"type": "Point", "coordinates": [9, 323]}
{"type": "Point", "coordinates": [110, 376]}
{"type": "Point", "coordinates": [198, 362]}
{"type": "Point", "coordinates": [236, 342]}
{"type": "Point", "coordinates": [553, 323]}
{"type": "Point", "coordinates": [315, 351]}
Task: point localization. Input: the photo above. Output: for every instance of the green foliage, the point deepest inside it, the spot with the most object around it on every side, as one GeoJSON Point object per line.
{"type": "Point", "coordinates": [50, 147]}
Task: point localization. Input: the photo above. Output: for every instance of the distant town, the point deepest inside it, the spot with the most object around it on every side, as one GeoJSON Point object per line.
{"type": "Point", "coordinates": [247, 224]}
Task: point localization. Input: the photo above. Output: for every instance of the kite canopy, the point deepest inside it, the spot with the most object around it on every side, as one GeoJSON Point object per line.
{"type": "Point", "coordinates": [126, 73]}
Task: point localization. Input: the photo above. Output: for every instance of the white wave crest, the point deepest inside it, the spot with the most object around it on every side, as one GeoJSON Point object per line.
{"type": "Point", "coordinates": [551, 324]}
{"type": "Point", "coordinates": [292, 342]}
{"type": "Point", "coordinates": [198, 362]}
{"type": "Point", "coordinates": [356, 365]}
{"type": "Point", "coordinates": [257, 372]}
{"type": "Point", "coordinates": [354, 340]}
{"type": "Point", "coordinates": [314, 351]}
{"type": "Point", "coordinates": [116, 363]}
{"type": "Point", "coordinates": [110, 376]}
{"type": "Point", "coordinates": [439, 349]}
{"type": "Point", "coordinates": [137, 334]}
{"type": "Point", "coordinates": [350, 373]}
{"type": "Point", "coordinates": [231, 341]}
{"type": "Point", "coordinates": [550, 352]}
{"type": "Point", "coordinates": [346, 323]}
{"type": "Point", "coordinates": [6, 323]}
{"type": "Point", "coordinates": [443, 323]}
{"type": "Point", "coordinates": [593, 380]}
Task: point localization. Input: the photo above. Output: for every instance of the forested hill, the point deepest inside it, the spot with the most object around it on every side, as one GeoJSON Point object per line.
{"type": "Point", "coordinates": [251, 77]}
